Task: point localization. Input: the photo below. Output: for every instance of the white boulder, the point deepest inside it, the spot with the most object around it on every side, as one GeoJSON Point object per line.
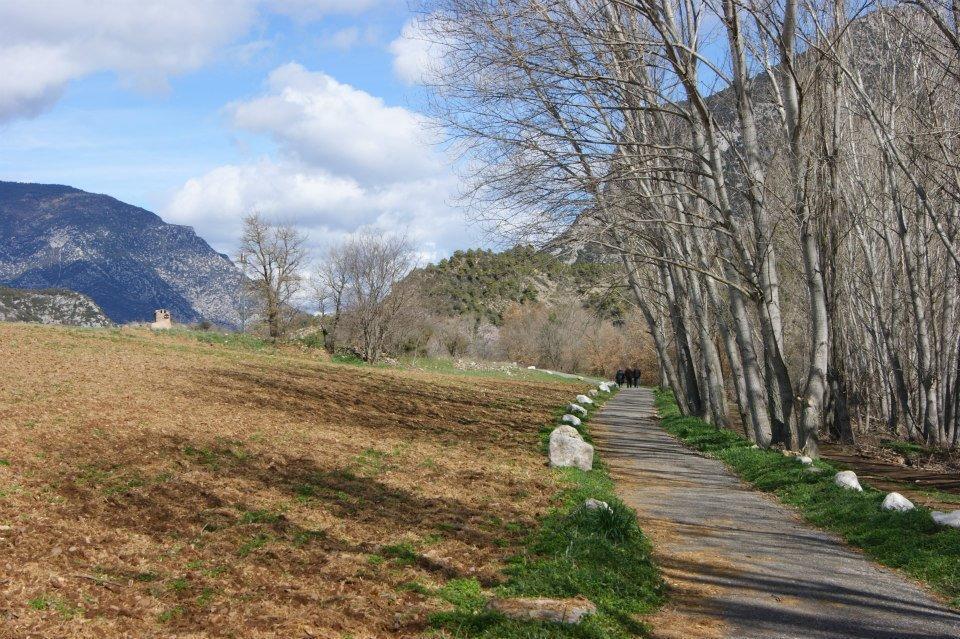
{"type": "Point", "coordinates": [593, 392]}
{"type": "Point", "coordinates": [583, 399]}
{"type": "Point", "coordinates": [896, 501]}
{"type": "Point", "coordinates": [951, 519]}
{"type": "Point", "coordinates": [567, 449]}
{"type": "Point", "coordinates": [573, 420]}
{"type": "Point", "coordinates": [565, 431]}
{"type": "Point", "coordinates": [847, 479]}
{"type": "Point", "coordinates": [806, 461]}
{"type": "Point", "coordinates": [604, 388]}
{"type": "Point", "coordinates": [577, 408]}
{"type": "Point", "coordinates": [596, 504]}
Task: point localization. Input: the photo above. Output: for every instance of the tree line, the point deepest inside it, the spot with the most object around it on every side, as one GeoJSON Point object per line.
{"type": "Point", "coordinates": [370, 302]}
{"type": "Point", "coordinates": [778, 180]}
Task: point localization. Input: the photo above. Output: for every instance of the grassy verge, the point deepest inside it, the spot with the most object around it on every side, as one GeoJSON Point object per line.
{"type": "Point", "coordinates": [910, 542]}
{"type": "Point", "coordinates": [599, 554]}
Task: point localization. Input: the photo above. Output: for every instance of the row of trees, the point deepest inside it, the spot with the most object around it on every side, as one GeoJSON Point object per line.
{"type": "Point", "coordinates": [779, 182]}
{"type": "Point", "coordinates": [357, 285]}
{"type": "Point", "coordinates": [368, 306]}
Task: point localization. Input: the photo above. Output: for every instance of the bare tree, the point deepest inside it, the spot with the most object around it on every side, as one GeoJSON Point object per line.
{"type": "Point", "coordinates": [272, 257]}
{"type": "Point", "coordinates": [361, 281]}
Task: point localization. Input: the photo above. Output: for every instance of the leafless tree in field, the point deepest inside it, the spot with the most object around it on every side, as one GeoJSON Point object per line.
{"type": "Point", "coordinates": [272, 257]}
{"type": "Point", "coordinates": [362, 283]}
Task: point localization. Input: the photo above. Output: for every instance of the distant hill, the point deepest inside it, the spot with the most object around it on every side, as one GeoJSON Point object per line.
{"type": "Point", "coordinates": [50, 306]}
{"type": "Point", "coordinates": [481, 283]}
{"type": "Point", "coordinates": [125, 258]}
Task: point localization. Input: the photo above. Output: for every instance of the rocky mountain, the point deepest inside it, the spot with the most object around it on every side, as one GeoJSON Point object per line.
{"type": "Point", "coordinates": [50, 306]}
{"type": "Point", "coordinates": [126, 259]}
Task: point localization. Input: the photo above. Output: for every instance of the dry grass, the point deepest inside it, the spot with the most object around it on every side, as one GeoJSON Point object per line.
{"type": "Point", "coordinates": [156, 486]}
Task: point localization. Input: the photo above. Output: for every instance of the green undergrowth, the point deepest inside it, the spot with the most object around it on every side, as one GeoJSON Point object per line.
{"type": "Point", "coordinates": [910, 541]}
{"type": "Point", "coordinates": [598, 554]}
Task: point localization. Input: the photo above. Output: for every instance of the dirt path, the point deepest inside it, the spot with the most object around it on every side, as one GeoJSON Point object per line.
{"type": "Point", "coordinates": [741, 566]}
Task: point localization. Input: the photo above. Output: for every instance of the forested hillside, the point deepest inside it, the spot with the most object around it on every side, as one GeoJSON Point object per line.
{"type": "Point", "coordinates": [481, 284]}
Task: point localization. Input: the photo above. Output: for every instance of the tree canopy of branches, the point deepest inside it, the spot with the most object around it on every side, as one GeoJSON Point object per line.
{"type": "Point", "coordinates": [272, 257]}
{"type": "Point", "coordinates": [779, 181]}
{"type": "Point", "coordinates": [361, 291]}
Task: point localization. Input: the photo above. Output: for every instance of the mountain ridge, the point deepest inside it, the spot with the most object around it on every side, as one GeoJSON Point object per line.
{"type": "Point", "coordinates": [125, 258]}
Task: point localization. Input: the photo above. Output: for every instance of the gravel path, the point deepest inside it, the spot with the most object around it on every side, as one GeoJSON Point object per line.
{"type": "Point", "coordinates": [740, 565]}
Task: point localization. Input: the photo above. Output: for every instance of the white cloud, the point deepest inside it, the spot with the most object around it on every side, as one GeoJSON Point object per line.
{"type": "Point", "coordinates": [326, 207]}
{"type": "Point", "coordinates": [350, 37]}
{"type": "Point", "coordinates": [417, 53]}
{"type": "Point", "coordinates": [44, 44]}
{"type": "Point", "coordinates": [345, 161]}
{"type": "Point", "coordinates": [346, 131]}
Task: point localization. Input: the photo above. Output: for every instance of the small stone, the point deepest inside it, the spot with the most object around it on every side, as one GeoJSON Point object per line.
{"type": "Point", "coordinates": [573, 420]}
{"type": "Point", "coordinates": [847, 479]}
{"type": "Point", "coordinates": [593, 392]}
{"type": "Point", "coordinates": [806, 461]}
{"type": "Point", "coordinates": [596, 504]}
{"type": "Point", "coordinates": [951, 519]}
{"type": "Point", "coordinates": [896, 501]}
{"type": "Point", "coordinates": [755, 447]}
{"type": "Point", "coordinates": [569, 611]}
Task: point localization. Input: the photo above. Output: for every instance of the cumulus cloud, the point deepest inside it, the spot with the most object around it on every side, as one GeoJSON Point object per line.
{"type": "Point", "coordinates": [46, 44]}
{"type": "Point", "coordinates": [325, 206]}
{"type": "Point", "coordinates": [344, 130]}
{"type": "Point", "coordinates": [345, 161]}
{"type": "Point", "coordinates": [416, 52]}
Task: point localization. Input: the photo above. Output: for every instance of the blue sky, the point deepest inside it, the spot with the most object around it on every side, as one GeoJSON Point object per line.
{"type": "Point", "coordinates": [202, 110]}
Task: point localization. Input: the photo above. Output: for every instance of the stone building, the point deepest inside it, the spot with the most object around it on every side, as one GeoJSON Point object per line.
{"type": "Point", "coordinates": [161, 320]}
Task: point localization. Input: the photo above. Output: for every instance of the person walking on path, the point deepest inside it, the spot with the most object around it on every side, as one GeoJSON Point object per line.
{"type": "Point", "coordinates": [620, 377]}
{"type": "Point", "coordinates": [636, 377]}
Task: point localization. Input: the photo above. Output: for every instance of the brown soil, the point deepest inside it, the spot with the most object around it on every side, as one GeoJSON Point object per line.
{"type": "Point", "coordinates": [155, 486]}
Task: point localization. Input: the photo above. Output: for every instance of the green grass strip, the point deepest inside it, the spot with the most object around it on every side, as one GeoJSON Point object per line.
{"type": "Point", "coordinates": [598, 554]}
{"type": "Point", "coordinates": [910, 541]}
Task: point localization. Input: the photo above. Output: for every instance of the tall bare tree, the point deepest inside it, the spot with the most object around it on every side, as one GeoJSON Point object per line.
{"type": "Point", "coordinates": [272, 256]}
{"type": "Point", "coordinates": [362, 282]}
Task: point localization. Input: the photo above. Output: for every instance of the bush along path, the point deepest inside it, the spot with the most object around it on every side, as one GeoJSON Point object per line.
{"type": "Point", "coordinates": [591, 555]}
{"type": "Point", "coordinates": [740, 564]}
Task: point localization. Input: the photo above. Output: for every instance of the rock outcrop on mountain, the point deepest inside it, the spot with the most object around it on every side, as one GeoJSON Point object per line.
{"type": "Point", "coordinates": [50, 306]}
{"type": "Point", "coordinates": [126, 259]}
